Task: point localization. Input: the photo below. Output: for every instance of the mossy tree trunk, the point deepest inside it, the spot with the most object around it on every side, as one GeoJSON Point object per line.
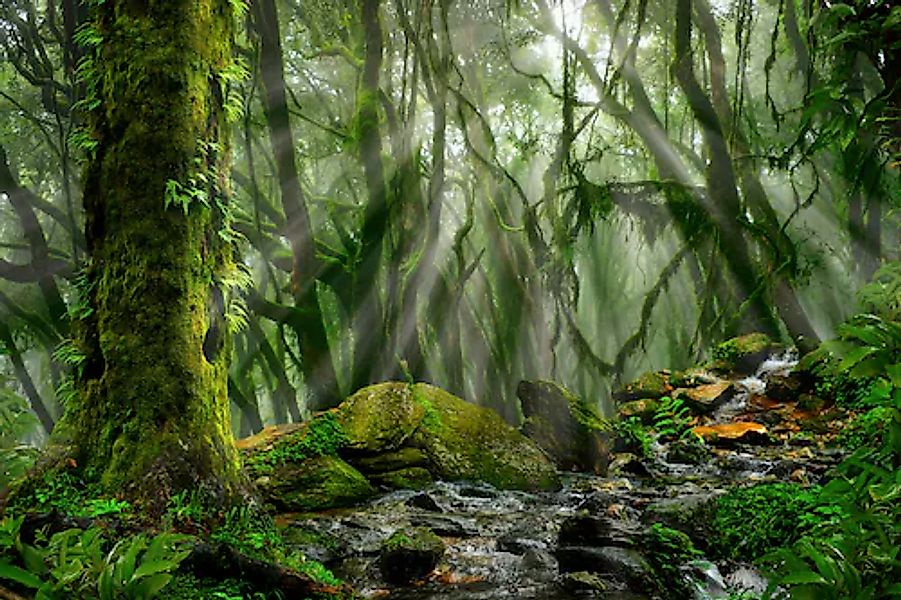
{"type": "Point", "coordinates": [151, 417]}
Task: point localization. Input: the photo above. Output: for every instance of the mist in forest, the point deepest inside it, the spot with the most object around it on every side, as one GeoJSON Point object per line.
{"type": "Point", "coordinates": [474, 193]}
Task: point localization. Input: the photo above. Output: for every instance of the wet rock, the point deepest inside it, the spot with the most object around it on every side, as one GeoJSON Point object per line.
{"type": "Point", "coordinates": [519, 543]}
{"type": "Point", "coordinates": [424, 501]}
{"type": "Point", "coordinates": [477, 491]}
{"type": "Point", "coordinates": [589, 530]}
{"type": "Point", "coordinates": [687, 452]}
{"type": "Point", "coordinates": [622, 564]}
{"type": "Point", "coordinates": [704, 399]}
{"type": "Point", "coordinates": [402, 458]}
{"type": "Point", "coordinates": [746, 579]}
{"type": "Point", "coordinates": [410, 554]}
{"type": "Point", "coordinates": [742, 355]}
{"type": "Point", "coordinates": [567, 428]}
{"type": "Point", "coordinates": [693, 377]}
{"type": "Point", "coordinates": [630, 464]}
{"type": "Point", "coordinates": [446, 526]}
{"type": "Point", "coordinates": [644, 409]}
{"type": "Point", "coordinates": [583, 583]}
{"type": "Point", "coordinates": [708, 578]}
{"type": "Point", "coordinates": [313, 544]}
{"type": "Point", "coordinates": [598, 502]}
{"type": "Point", "coordinates": [539, 565]}
{"type": "Point", "coordinates": [654, 384]}
{"type": "Point", "coordinates": [786, 388]}
{"type": "Point", "coordinates": [413, 478]}
{"type": "Point", "coordinates": [728, 434]}
{"type": "Point", "coordinates": [313, 484]}
{"type": "Point", "coordinates": [689, 513]}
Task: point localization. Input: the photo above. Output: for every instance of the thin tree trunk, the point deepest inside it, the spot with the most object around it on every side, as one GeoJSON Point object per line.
{"type": "Point", "coordinates": [369, 333]}
{"type": "Point", "coordinates": [318, 366]}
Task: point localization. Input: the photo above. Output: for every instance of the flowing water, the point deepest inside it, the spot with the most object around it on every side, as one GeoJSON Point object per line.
{"type": "Point", "coordinates": [505, 544]}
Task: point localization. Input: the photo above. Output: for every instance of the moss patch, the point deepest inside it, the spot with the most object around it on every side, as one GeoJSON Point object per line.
{"type": "Point", "coordinates": [475, 443]}
{"type": "Point", "coordinates": [314, 484]}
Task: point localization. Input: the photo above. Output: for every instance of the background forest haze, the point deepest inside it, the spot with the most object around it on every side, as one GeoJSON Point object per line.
{"type": "Point", "coordinates": [476, 192]}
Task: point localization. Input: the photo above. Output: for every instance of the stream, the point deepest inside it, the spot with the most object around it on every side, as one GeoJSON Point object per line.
{"type": "Point", "coordinates": [508, 544]}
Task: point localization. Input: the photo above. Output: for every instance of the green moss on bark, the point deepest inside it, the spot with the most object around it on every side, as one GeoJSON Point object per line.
{"type": "Point", "coordinates": [151, 416]}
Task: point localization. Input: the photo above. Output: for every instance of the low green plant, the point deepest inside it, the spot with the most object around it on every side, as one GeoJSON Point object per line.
{"type": "Point", "coordinates": [101, 507]}
{"type": "Point", "coordinates": [186, 507]}
{"type": "Point", "coordinates": [324, 436]}
{"type": "Point", "coordinates": [632, 435]}
{"type": "Point", "coordinates": [866, 429]}
{"type": "Point", "coordinates": [250, 531]}
{"type": "Point", "coordinates": [668, 549]}
{"type": "Point", "coordinates": [16, 422]}
{"type": "Point", "coordinates": [80, 564]}
{"type": "Point", "coordinates": [750, 521]}
{"type": "Point", "coordinates": [318, 572]}
{"type": "Point", "coordinates": [854, 554]}
{"type": "Point", "coordinates": [672, 419]}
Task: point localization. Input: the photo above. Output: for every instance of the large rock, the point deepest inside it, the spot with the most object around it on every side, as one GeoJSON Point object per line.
{"type": "Point", "coordinates": [566, 427]}
{"type": "Point", "coordinates": [410, 554]}
{"type": "Point", "coordinates": [742, 355]}
{"type": "Point", "coordinates": [458, 440]}
{"type": "Point", "coordinates": [727, 434]}
{"type": "Point", "coordinates": [390, 435]}
{"type": "Point", "coordinates": [704, 399]}
{"type": "Point", "coordinates": [654, 384]}
{"type": "Point", "coordinates": [313, 484]}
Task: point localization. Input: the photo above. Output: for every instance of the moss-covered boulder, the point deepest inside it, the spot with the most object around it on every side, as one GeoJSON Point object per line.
{"type": "Point", "coordinates": [398, 425]}
{"type": "Point", "coordinates": [390, 435]}
{"type": "Point", "coordinates": [314, 484]}
{"type": "Point", "coordinates": [410, 554]}
{"type": "Point", "coordinates": [380, 418]}
{"type": "Point", "coordinates": [643, 409]}
{"type": "Point", "coordinates": [654, 384]}
{"type": "Point", "coordinates": [743, 354]}
{"type": "Point", "coordinates": [296, 468]}
{"type": "Point", "coordinates": [566, 427]}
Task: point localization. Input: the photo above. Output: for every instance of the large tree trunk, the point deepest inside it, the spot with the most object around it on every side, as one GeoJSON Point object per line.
{"type": "Point", "coordinates": [152, 414]}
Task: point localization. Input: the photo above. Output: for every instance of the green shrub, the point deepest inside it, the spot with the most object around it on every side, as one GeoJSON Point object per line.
{"type": "Point", "coordinates": [632, 435]}
{"type": "Point", "coordinates": [867, 429]}
{"type": "Point", "coordinates": [749, 522]}
{"type": "Point", "coordinates": [854, 554]}
{"type": "Point", "coordinates": [667, 550]}
{"type": "Point", "coordinates": [82, 564]}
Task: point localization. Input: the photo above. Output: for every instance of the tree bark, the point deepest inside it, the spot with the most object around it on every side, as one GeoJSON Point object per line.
{"type": "Point", "coordinates": [152, 415]}
{"type": "Point", "coordinates": [369, 332]}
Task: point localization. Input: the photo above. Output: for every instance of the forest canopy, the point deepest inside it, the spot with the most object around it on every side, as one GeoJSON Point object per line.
{"type": "Point", "coordinates": [476, 193]}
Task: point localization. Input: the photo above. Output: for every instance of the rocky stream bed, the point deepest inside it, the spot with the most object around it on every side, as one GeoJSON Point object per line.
{"type": "Point", "coordinates": [591, 537]}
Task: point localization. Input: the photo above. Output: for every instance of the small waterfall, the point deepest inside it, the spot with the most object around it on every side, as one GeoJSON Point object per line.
{"type": "Point", "coordinates": [777, 365]}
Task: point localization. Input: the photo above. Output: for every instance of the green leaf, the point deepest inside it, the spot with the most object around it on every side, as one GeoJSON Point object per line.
{"type": "Point", "coordinates": [855, 356]}
{"type": "Point", "coordinates": [19, 575]}
{"type": "Point", "coordinates": [151, 586]}
{"type": "Point", "coordinates": [33, 559]}
{"type": "Point", "coordinates": [842, 10]}
{"type": "Point", "coordinates": [154, 566]}
{"type": "Point", "coordinates": [803, 577]}
{"type": "Point", "coordinates": [894, 373]}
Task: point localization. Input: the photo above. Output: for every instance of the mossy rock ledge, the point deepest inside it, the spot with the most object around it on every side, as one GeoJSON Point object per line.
{"type": "Point", "coordinates": [391, 435]}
